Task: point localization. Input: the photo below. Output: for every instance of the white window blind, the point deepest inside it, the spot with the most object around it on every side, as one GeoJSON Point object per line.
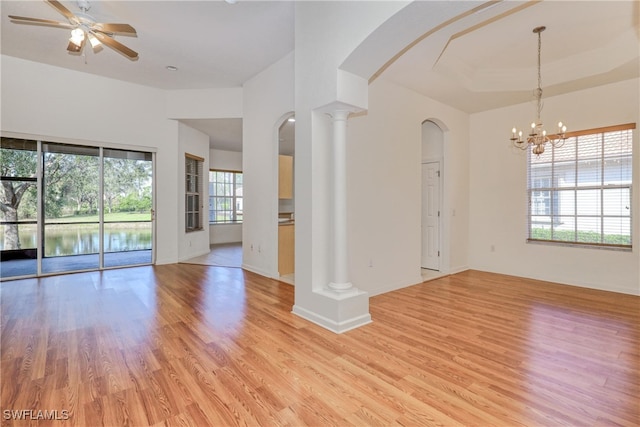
{"type": "Point", "coordinates": [193, 192]}
{"type": "Point", "coordinates": [580, 193]}
{"type": "Point", "coordinates": [225, 196]}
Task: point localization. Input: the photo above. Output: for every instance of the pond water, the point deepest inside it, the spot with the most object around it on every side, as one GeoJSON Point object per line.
{"type": "Point", "coordinates": [74, 239]}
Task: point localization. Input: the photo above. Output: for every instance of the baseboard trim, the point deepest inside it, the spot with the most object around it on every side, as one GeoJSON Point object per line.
{"type": "Point", "coordinates": [191, 256]}
{"type": "Point", "coordinates": [460, 269]}
{"type": "Point", "coordinates": [256, 270]}
{"type": "Point", "coordinates": [395, 286]}
{"type": "Point", "coordinates": [565, 282]}
{"type": "Point", "coordinates": [332, 325]}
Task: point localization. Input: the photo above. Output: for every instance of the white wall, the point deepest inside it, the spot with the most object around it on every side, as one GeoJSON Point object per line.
{"type": "Point", "coordinates": [499, 201]}
{"type": "Point", "coordinates": [196, 143]}
{"type": "Point", "coordinates": [225, 160]}
{"type": "Point", "coordinates": [62, 105]}
{"type": "Point", "coordinates": [225, 233]}
{"type": "Point", "coordinates": [268, 100]}
{"type": "Point", "coordinates": [231, 161]}
{"type": "Point", "coordinates": [384, 186]}
{"type": "Point", "coordinates": [219, 103]}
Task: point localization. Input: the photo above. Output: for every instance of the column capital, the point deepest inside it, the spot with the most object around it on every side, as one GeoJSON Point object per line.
{"type": "Point", "coordinates": [339, 115]}
{"type": "Point", "coordinates": [338, 109]}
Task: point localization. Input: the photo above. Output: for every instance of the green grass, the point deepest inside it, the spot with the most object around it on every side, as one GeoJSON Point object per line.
{"type": "Point", "coordinates": [108, 217]}
{"type": "Point", "coordinates": [582, 237]}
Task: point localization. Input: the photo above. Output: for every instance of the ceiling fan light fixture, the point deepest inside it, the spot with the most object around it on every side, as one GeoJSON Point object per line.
{"type": "Point", "coordinates": [84, 26]}
{"type": "Point", "coordinates": [77, 36]}
{"type": "Point", "coordinates": [94, 41]}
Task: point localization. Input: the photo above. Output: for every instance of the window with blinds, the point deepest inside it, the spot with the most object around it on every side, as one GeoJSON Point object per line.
{"type": "Point", "coordinates": [580, 193]}
{"type": "Point", "coordinates": [225, 197]}
{"type": "Point", "coordinates": [193, 192]}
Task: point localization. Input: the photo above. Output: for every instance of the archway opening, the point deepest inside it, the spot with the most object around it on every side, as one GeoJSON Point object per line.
{"type": "Point", "coordinates": [286, 200]}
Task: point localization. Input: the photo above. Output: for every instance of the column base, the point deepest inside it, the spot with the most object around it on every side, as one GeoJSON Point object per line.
{"type": "Point", "coordinates": [337, 311]}
{"type": "Point", "coordinates": [340, 286]}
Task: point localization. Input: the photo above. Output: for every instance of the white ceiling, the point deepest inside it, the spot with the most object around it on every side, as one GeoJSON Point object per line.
{"type": "Point", "coordinates": [214, 44]}
{"type": "Point", "coordinates": [489, 59]}
{"type": "Point", "coordinates": [482, 61]}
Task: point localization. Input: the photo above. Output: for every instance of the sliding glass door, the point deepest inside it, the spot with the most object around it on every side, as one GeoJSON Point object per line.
{"type": "Point", "coordinates": [74, 208]}
{"type": "Point", "coordinates": [127, 189]}
{"type": "Point", "coordinates": [18, 207]}
{"type": "Point", "coordinates": [71, 208]}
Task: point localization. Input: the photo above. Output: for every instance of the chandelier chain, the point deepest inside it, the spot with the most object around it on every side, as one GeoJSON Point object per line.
{"type": "Point", "coordinates": [538, 137]}
{"type": "Point", "coordinates": [539, 89]}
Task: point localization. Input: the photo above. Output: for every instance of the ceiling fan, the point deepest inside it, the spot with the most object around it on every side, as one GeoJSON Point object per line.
{"type": "Point", "coordinates": [83, 27]}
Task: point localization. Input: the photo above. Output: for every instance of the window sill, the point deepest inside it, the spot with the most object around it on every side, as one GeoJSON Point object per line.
{"type": "Point", "coordinates": [213, 224]}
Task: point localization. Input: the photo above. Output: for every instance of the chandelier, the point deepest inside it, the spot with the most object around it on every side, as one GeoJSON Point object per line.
{"type": "Point", "coordinates": [538, 136]}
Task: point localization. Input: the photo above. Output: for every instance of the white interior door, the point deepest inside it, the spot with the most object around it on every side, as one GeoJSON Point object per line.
{"type": "Point", "coordinates": [431, 215]}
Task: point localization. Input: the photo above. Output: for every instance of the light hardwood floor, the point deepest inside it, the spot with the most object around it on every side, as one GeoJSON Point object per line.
{"type": "Point", "coordinates": [196, 345]}
{"type": "Point", "coordinates": [221, 254]}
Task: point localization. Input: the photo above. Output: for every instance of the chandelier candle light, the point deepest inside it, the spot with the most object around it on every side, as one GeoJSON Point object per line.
{"type": "Point", "coordinates": [538, 136]}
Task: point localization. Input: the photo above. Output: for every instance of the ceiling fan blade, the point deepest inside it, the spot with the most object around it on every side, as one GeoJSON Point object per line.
{"type": "Point", "coordinates": [115, 28]}
{"type": "Point", "coordinates": [63, 10]}
{"type": "Point", "coordinates": [116, 45]}
{"type": "Point", "coordinates": [26, 20]}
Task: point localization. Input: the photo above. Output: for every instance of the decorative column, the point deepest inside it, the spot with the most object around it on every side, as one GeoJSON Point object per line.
{"type": "Point", "coordinates": [340, 277]}
{"type": "Point", "coordinates": [329, 299]}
